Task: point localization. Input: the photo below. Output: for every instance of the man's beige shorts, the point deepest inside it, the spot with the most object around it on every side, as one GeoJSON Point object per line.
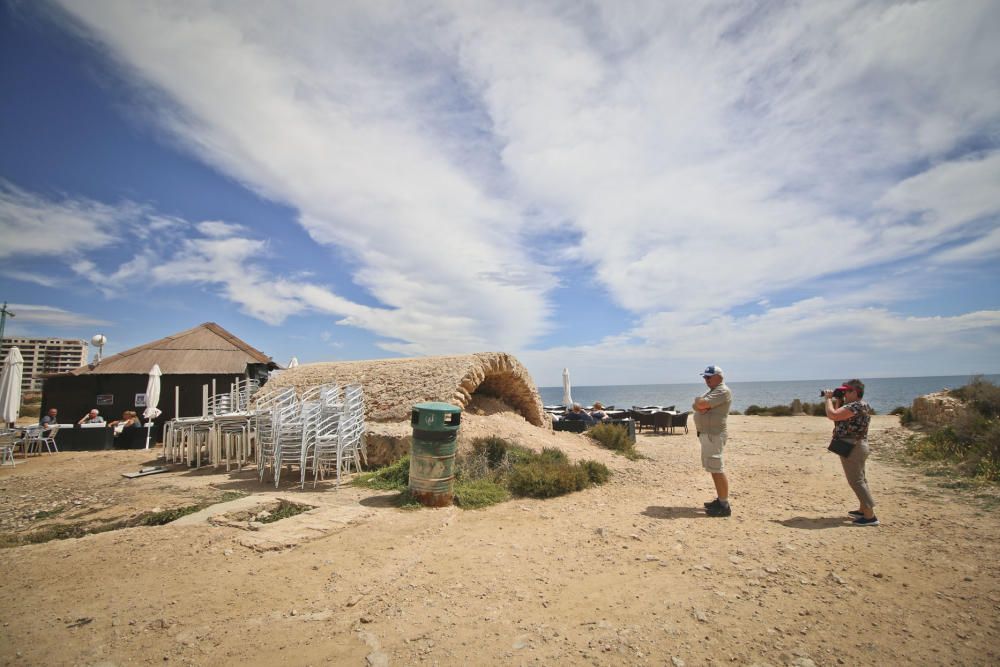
{"type": "Point", "coordinates": [711, 451]}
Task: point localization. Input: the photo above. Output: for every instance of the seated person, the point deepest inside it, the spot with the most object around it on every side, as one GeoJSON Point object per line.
{"type": "Point", "coordinates": [129, 420]}
{"type": "Point", "coordinates": [577, 413]}
{"type": "Point", "coordinates": [92, 417]}
{"type": "Point", "coordinates": [598, 412]}
{"type": "Point", "coordinates": [50, 420]}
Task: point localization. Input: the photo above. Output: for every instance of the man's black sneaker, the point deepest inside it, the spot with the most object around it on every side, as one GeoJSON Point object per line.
{"type": "Point", "coordinates": [720, 510]}
{"type": "Point", "coordinates": [713, 503]}
{"type": "Point", "coordinates": [855, 514]}
{"type": "Point", "coordinates": [862, 521]}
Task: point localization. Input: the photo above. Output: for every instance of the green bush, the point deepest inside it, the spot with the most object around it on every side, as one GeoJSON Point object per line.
{"type": "Point", "coordinates": [479, 493]}
{"type": "Point", "coordinates": [553, 455]}
{"type": "Point", "coordinates": [981, 395]}
{"type": "Point", "coordinates": [546, 479]}
{"type": "Point", "coordinates": [905, 414]}
{"type": "Point", "coordinates": [394, 477]}
{"type": "Point", "coordinates": [613, 437]}
{"type": "Point", "coordinates": [597, 473]}
{"type": "Point", "coordinates": [771, 411]}
{"type": "Point", "coordinates": [493, 471]}
{"type": "Point", "coordinates": [493, 449]}
{"type": "Point", "coordinates": [973, 440]}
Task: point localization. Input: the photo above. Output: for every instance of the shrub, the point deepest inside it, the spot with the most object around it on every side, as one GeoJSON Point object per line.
{"type": "Point", "coordinates": [494, 450]}
{"type": "Point", "coordinates": [553, 455]}
{"type": "Point", "coordinates": [613, 437]}
{"type": "Point", "coordinates": [478, 493]}
{"type": "Point", "coordinates": [597, 473]}
{"type": "Point", "coordinates": [981, 395]}
{"type": "Point", "coordinates": [905, 414]}
{"type": "Point", "coordinates": [814, 409]}
{"type": "Point", "coordinates": [546, 479]}
{"type": "Point", "coordinates": [973, 440]}
{"type": "Point", "coordinates": [394, 477]}
{"type": "Point", "coordinates": [771, 411]}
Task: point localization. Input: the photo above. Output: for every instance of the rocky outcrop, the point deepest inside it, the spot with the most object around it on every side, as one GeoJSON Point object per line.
{"type": "Point", "coordinates": [937, 409]}
{"type": "Point", "coordinates": [393, 386]}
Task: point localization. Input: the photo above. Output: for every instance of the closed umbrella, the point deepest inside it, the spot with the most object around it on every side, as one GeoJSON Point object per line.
{"type": "Point", "coordinates": [567, 396]}
{"type": "Point", "coordinates": [152, 399]}
{"type": "Point", "coordinates": [10, 386]}
{"type": "Point", "coordinates": [293, 362]}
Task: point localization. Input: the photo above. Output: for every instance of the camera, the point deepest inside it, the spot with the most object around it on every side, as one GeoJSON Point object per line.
{"type": "Point", "coordinates": [837, 393]}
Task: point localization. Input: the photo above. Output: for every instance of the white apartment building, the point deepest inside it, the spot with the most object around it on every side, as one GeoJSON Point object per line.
{"type": "Point", "coordinates": [43, 356]}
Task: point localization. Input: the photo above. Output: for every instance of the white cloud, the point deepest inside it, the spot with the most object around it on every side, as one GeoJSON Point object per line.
{"type": "Point", "coordinates": [696, 158]}
{"type": "Point", "coordinates": [36, 226]}
{"type": "Point", "coordinates": [28, 315]}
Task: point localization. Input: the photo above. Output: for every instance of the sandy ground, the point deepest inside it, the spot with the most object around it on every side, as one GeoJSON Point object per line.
{"type": "Point", "coordinates": [628, 573]}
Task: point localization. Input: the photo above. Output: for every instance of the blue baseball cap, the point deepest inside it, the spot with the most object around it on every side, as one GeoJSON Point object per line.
{"type": "Point", "coordinates": [711, 370]}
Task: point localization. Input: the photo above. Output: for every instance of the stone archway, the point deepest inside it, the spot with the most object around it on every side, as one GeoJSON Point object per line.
{"type": "Point", "coordinates": [393, 386]}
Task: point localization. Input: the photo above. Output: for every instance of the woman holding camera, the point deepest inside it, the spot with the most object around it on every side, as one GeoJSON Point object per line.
{"type": "Point", "coordinates": [851, 417]}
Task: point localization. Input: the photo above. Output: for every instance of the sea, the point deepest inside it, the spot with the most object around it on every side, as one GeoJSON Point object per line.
{"type": "Point", "coordinates": [883, 394]}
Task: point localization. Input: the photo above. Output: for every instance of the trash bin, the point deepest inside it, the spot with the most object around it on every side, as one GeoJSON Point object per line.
{"type": "Point", "coordinates": [432, 455]}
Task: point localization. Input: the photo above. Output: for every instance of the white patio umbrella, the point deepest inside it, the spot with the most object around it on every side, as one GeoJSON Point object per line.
{"type": "Point", "coordinates": [152, 399]}
{"type": "Point", "coordinates": [567, 396]}
{"type": "Point", "coordinates": [293, 362]}
{"type": "Point", "coordinates": [10, 386]}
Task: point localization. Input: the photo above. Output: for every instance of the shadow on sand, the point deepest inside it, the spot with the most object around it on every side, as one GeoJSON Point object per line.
{"type": "Point", "coordinates": [814, 523]}
{"type": "Point", "coordinates": [658, 512]}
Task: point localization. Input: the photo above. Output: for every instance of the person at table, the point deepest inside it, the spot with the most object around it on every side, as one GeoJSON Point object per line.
{"type": "Point", "coordinates": [49, 420]}
{"type": "Point", "coordinates": [129, 420]}
{"type": "Point", "coordinates": [577, 413]}
{"type": "Point", "coordinates": [92, 417]}
{"type": "Point", "coordinates": [598, 413]}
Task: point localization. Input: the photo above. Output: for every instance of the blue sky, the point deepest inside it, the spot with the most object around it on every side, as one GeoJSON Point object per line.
{"type": "Point", "coordinates": [631, 190]}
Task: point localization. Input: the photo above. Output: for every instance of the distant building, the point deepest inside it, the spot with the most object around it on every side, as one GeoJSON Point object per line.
{"type": "Point", "coordinates": [45, 356]}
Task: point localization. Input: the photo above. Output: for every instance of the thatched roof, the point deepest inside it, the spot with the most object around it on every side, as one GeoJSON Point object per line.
{"type": "Point", "coordinates": [207, 349]}
{"type": "Point", "coordinates": [393, 386]}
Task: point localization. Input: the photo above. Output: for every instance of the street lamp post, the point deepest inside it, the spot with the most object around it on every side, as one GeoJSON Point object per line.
{"type": "Point", "coordinates": [3, 318]}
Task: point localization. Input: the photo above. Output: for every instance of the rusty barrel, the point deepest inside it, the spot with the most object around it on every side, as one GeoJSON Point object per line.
{"type": "Point", "coordinates": [432, 455]}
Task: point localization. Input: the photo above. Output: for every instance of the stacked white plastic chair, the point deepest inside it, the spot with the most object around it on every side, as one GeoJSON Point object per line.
{"type": "Point", "coordinates": [268, 413]}
{"type": "Point", "coordinates": [343, 448]}
{"type": "Point", "coordinates": [351, 444]}
{"type": "Point", "coordinates": [326, 433]}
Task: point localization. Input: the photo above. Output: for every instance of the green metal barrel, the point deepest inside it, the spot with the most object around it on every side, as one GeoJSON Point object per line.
{"type": "Point", "coordinates": [432, 457]}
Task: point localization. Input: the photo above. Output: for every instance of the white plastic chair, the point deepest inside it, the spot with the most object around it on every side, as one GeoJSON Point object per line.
{"type": "Point", "coordinates": [6, 447]}
{"type": "Point", "coordinates": [48, 440]}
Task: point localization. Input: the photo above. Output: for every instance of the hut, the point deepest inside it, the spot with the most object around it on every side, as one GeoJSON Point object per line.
{"type": "Point", "coordinates": [188, 360]}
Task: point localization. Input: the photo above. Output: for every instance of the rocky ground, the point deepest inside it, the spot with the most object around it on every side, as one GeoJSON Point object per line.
{"type": "Point", "coordinates": [628, 573]}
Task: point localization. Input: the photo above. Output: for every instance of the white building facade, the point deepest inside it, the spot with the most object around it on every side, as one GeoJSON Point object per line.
{"type": "Point", "coordinates": [43, 356]}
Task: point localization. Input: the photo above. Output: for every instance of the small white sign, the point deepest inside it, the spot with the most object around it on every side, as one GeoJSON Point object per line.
{"type": "Point", "coordinates": [140, 400]}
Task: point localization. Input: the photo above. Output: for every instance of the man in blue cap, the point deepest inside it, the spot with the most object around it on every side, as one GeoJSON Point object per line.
{"type": "Point", "coordinates": [710, 412]}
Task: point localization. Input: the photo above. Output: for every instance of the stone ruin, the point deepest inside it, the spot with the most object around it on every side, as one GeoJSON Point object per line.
{"type": "Point", "coordinates": [937, 409]}
{"type": "Point", "coordinates": [393, 386]}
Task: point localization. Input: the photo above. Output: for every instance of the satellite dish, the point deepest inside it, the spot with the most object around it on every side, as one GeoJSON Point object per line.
{"type": "Point", "coordinates": [98, 341]}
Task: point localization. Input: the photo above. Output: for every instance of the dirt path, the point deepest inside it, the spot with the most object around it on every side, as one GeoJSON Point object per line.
{"type": "Point", "coordinates": [628, 573]}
